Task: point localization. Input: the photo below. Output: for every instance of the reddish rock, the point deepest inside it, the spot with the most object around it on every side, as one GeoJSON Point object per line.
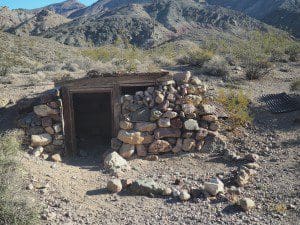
{"type": "Point", "coordinates": [145, 127]}
{"type": "Point", "coordinates": [176, 123]}
{"type": "Point", "coordinates": [167, 133]}
{"type": "Point", "coordinates": [141, 150]}
{"type": "Point", "coordinates": [202, 133]}
{"type": "Point", "coordinates": [160, 146]}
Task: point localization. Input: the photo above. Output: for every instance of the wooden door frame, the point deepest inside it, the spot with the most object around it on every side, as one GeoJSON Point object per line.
{"type": "Point", "coordinates": [69, 116]}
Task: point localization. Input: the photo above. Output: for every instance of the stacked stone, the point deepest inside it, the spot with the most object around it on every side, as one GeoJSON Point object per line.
{"type": "Point", "coordinates": [171, 117]}
{"type": "Point", "coordinates": [43, 125]}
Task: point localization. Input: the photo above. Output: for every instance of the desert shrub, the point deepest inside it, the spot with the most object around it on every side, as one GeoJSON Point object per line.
{"type": "Point", "coordinates": [293, 51]}
{"type": "Point", "coordinates": [237, 105]}
{"type": "Point", "coordinates": [196, 57]}
{"type": "Point", "coordinates": [256, 69]}
{"type": "Point", "coordinates": [3, 71]}
{"type": "Point", "coordinates": [295, 86]}
{"type": "Point", "coordinates": [217, 66]}
{"type": "Point", "coordinates": [13, 210]}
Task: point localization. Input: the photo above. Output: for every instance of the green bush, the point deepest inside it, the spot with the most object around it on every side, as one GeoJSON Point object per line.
{"type": "Point", "coordinates": [217, 66]}
{"type": "Point", "coordinates": [236, 104]}
{"type": "Point", "coordinates": [196, 57]}
{"type": "Point", "coordinates": [13, 209]}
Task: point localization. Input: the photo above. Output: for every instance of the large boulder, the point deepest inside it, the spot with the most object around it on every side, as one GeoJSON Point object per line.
{"type": "Point", "coordinates": [44, 110]}
{"type": "Point", "coordinates": [167, 133]}
{"type": "Point", "coordinates": [160, 146]}
{"type": "Point", "coordinates": [130, 137]}
{"type": "Point", "coordinates": [41, 140]}
{"type": "Point", "coordinates": [146, 187]}
{"type": "Point", "coordinates": [115, 162]}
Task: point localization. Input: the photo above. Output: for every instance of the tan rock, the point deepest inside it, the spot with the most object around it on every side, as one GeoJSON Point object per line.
{"type": "Point", "coordinates": [210, 118]}
{"type": "Point", "coordinates": [49, 130]}
{"type": "Point", "coordinates": [170, 114]}
{"type": "Point", "coordinates": [193, 99]}
{"type": "Point", "coordinates": [56, 158]}
{"type": "Point", "coordinates": [246, 204]}
{"type": "Point", "coordinates": [134, 138]}
{"type": "Point", "coordinates": [145, 126]}
{"type": "Point", "coordinates": [125, 125]}
{"type": "Point", "coordinates": [160, 146]}
{"type": "Point", "coordinates": [214, 186]}
{"type": "Point", "coordinates": [40, 140]}
{"type": "Point", "coordinates": [159, 97]}
{"type": "Point", "coordinates": [188, 144]}
{"type": "Point", "coordinates": [44, 110]}
{"type": "Point", "coordinates": [114, 185]}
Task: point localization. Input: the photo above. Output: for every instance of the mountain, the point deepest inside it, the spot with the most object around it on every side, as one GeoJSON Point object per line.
{"type": "Point", "coordinates": [10, 18]}
{"type": "Point", "coordinates": [63, 8]}
{"type": "Point", "coordinates": [39, 23]}
{"type": "Point", "coordinates": [151, 23]}
{"type": "Point", "coordinates": [284, 14]}
{"type": "Point", "coordinates": [104, 5]}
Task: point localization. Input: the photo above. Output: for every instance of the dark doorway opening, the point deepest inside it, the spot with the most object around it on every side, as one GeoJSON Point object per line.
{"type": "Point", "coordinates": [131, 90]}
{"type": "Point", "coordinates": [93, 122]}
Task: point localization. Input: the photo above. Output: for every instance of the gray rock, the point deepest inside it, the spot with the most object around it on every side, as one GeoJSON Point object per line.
{"type": "Point", "coordinates": [246, 204]}
{"type": "Point", "coordinates": [115, 162]}
{"type": "Point", "coordinates": [126, 150]}
{"type": "Point", "coordinates": [146, 187]}
{"type": "Point", "coordinates": [191, 124]}
{"type": "Point", "coordinates": [214, 186]}
{"type": "Point", "coordinates": [44, 110]}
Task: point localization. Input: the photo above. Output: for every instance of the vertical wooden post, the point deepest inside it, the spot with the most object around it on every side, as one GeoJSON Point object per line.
{"type": "Point", "coordinates": [116, 105]}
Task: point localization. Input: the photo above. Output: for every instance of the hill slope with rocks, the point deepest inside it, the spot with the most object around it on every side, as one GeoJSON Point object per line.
{"type": "Point", "coordinates": [39, 23]}
{"type": "Point", "coordinates": [284, 14]}
{"type": "Point", "coordinates": [63, 8]}
{"type": "Point", "coordinates": [10, 18]}
{"type": "Point", "coordinates": [150, 24]}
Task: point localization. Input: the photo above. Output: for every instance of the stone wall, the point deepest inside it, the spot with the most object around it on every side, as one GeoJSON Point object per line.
{"type": "Point", "coordinates": [171, 117]}
{"type": "Point", "coordinates": [41, 118]}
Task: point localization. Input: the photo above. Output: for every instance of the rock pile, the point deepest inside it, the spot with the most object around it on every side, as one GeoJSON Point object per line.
{"type": "Point", "coordinates": [42, 122]}
{"type": "Point", "coordinates": [170, 117]}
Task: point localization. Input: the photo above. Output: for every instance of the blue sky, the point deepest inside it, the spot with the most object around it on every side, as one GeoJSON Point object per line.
{"type": "Point", "coordinates": [31, 4]}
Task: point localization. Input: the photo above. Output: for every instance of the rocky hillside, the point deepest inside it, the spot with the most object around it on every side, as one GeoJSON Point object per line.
{"type": "Point", "coordinates": [10, 18]}
{"type": "Point", "coordinates": [150, 24]}
{"type": "Point", "coordinates": [63, 8]}
{"type": "Point", "coordinates": [284, 14]}
{"type": "Point", "coordinates": [39, 23]}
{"type": "Point", "coordinates": [105, 5]}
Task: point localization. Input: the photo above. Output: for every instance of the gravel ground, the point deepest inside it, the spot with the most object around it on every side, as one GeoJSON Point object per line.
{"type": "Point", "coordinates": [73, 192]}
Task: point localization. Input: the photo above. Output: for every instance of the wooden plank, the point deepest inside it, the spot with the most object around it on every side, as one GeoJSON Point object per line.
{"type": "Point", "coordinates": [116, 104]}
{"type": "Point", "coordinates": [66, 105]}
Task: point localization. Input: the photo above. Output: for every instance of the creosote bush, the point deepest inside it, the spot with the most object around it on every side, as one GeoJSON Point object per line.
{"type": "Point", "coordinates": [217, 66]}
{"type": "Point", "coordinates": [13, 209]}
{"type": "Point", "coordinates": [237, 105]}
{"type": "Point", "coordinates": [257, 69]}
{"type": "Point", "coordinates": [196, 57]}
